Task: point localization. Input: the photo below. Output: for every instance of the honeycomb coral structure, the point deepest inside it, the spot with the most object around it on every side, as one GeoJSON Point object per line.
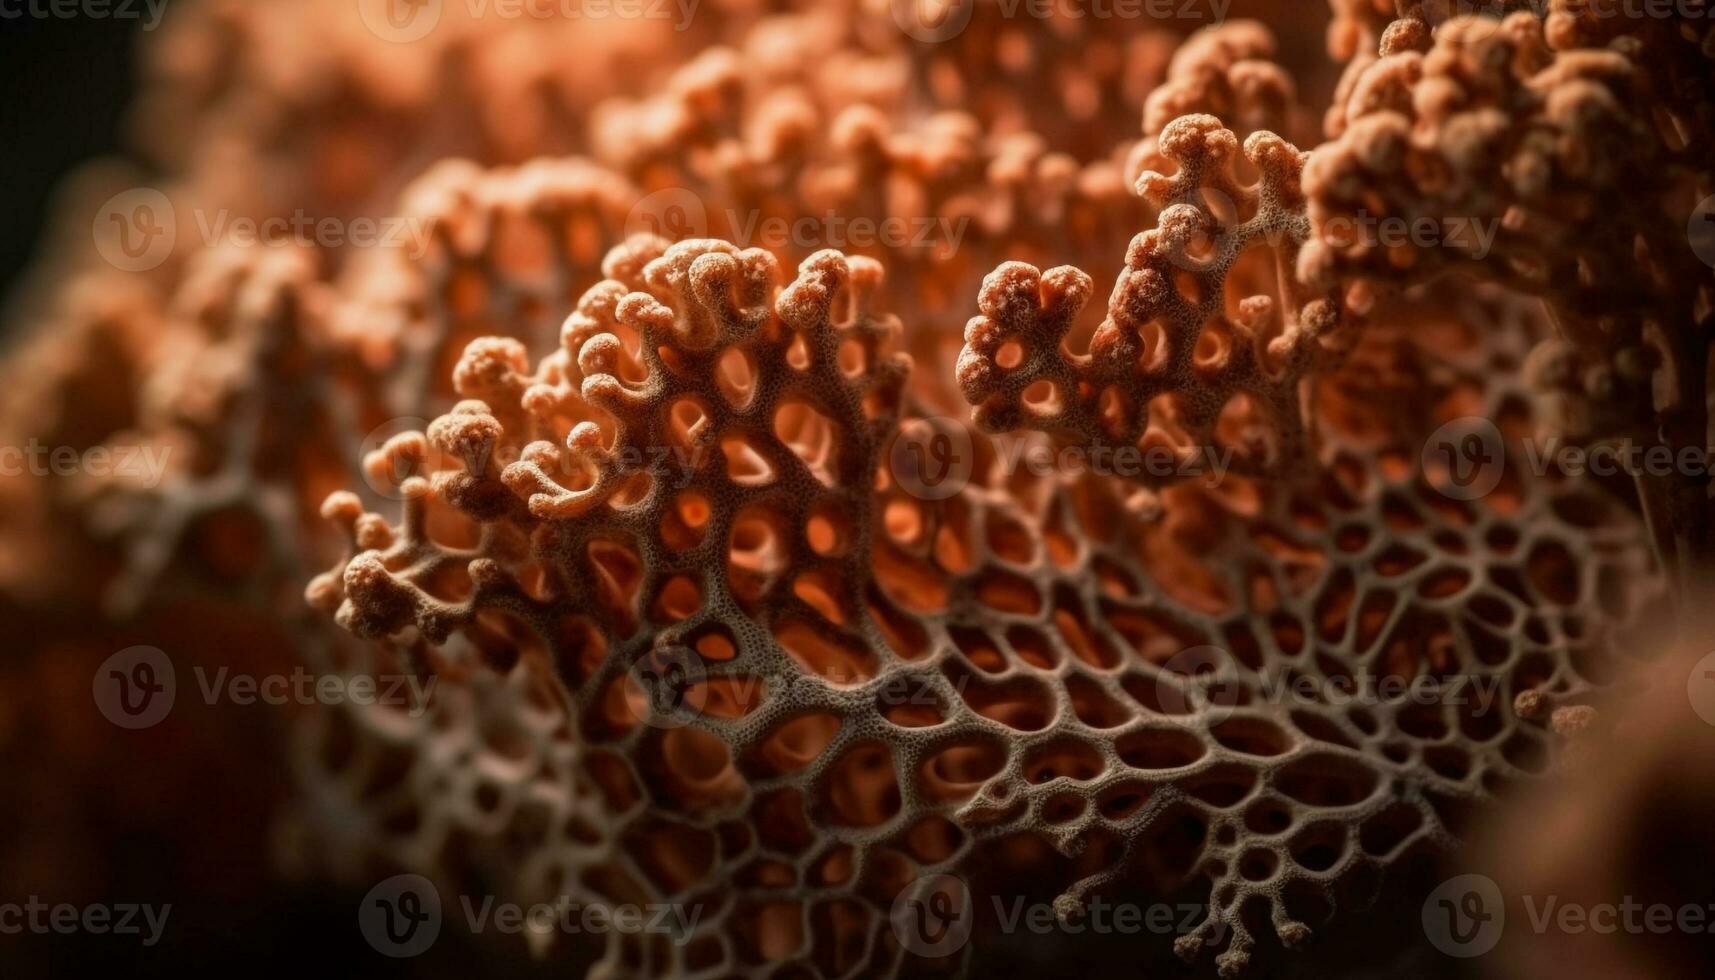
{"type": "Point", "coordinates": [1167, 335]}
{"type": "Point", "coordinates": [725, 605]}
{"type": "Point", "coordinates": [1517, 152]}
{"type": "Point", "coordinates": [880, 687]}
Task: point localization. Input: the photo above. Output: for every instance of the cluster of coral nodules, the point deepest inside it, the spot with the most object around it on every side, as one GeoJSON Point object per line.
{"type": "Point", "coordinates": [728, 615]}
{"type": "Point", "coordinates": [746, 664]}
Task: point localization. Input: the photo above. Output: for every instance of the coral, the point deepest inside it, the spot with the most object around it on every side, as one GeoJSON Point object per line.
{"type": "Point", "coordinates": [1512, 154]}
{"type": "Point", "coordinates": [881, 686]}
{"type": "Point", "coordinates": [1168, 360]}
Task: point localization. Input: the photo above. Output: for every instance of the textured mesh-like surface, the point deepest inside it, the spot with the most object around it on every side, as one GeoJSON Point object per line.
{"type": "Point", "coordinates": [878, 687]}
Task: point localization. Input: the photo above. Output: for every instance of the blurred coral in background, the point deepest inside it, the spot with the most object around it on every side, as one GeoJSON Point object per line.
{"type": "Point", "coordinates": [672, 456]}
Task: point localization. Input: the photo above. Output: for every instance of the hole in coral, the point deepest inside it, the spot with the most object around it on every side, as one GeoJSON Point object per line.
{"type": "Point", "coordinates": [862, 789]}
{"type": "Point", "coordinates": [736, 378]}
{"type": "Point", "coordinates": [796, 743]}
{"type": "Point", "coordinates": [1062, 758]}
{"type": "Point", "coordinates": [1387, 830]}
{"type": "Point", "coordinates": [1160, 748]}
{"type": "Point", "coordinates": [832, 656]}
{"type": "Point", "coordinates": [955, 773]}
{"type": "Point", "coordinates": [810, 436]}
{"type": "Point", "coordinates": [1323, 779]}
{"type": "Point", "coordinates": [1252, 736]}
{"type": "Point", "coordinates": [746, 465]}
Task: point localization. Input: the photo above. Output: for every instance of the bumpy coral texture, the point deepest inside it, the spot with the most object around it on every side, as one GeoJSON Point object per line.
{"type": "Point", "coordinates": [882, 686]}
{"type": "Point", "coordinates": [1168, 360]}
{"type": "Point", "coordinates": [1515, 145]}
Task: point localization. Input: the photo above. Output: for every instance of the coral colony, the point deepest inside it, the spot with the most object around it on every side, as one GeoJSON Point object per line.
{"type": "Point", "coordinates": [715, 414]}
